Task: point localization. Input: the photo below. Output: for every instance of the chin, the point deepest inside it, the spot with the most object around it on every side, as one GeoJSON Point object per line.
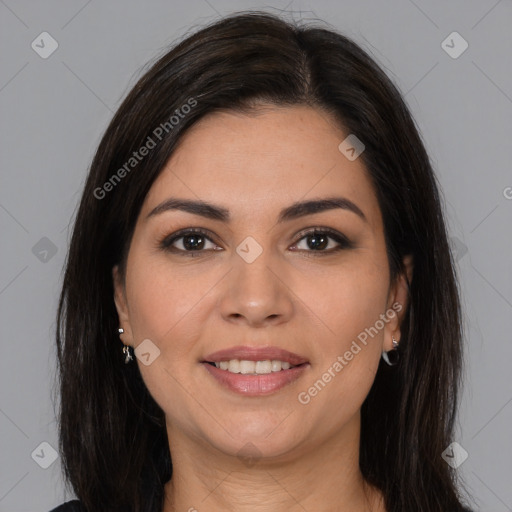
{"type": "Point", "coordinates": [259, 435]}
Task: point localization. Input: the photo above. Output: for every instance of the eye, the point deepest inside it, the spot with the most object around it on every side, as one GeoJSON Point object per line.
{"type": "Point", "coordinates": [189, 241]}
{"type": "Point", "coordinates": [322, 240]}
{"type": "Point", "coordinates": [194, 241]}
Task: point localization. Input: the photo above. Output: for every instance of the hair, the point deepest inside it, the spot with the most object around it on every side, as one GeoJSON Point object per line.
{"type": "Point", "coordinates": [112, 434]}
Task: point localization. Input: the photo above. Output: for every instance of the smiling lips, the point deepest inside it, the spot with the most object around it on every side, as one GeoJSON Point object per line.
{"type": "Point", "coordinates": [255, 371]}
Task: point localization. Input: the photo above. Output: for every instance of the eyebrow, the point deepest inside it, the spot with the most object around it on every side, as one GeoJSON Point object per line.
{"type": "Point", "coordinates": [294, 211]}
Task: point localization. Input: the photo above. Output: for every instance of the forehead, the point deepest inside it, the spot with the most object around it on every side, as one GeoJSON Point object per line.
{"type": "Point", "coordinates": [268, 159]}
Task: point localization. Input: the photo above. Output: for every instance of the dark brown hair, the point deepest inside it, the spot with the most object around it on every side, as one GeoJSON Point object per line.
{"type": "Point", "coordinates": [113, 441]}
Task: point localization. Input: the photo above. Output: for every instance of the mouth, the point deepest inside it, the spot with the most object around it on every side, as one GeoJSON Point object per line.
{"type": "Point", "coordinates": [254, 360]}
{"type": "Point", "coordinates": [247, 367]}
{"type": "Point", "coordinates": [255, 371]}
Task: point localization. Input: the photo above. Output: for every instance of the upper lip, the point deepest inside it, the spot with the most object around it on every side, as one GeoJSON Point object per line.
{"type": "Point", "coordinates": [255, 354]}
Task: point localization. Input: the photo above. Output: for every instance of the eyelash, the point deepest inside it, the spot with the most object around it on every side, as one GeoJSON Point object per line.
{"type": "Point", "coordinates": [343, 241]}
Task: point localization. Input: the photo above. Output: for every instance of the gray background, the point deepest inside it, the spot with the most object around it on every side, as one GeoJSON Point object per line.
{"type": "Point", "coordinates": [53, 113]}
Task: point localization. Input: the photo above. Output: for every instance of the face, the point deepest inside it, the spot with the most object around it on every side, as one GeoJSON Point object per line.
{"type": "Point", "coordinates": [258, 280]}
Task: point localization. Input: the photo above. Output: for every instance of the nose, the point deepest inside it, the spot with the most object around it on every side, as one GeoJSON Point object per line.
{"type": "Point", "coordinates": [256, 294]}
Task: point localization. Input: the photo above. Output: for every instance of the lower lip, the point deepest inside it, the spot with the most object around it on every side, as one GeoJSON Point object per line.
{"type": "Point", "coordinates": [256, 385]}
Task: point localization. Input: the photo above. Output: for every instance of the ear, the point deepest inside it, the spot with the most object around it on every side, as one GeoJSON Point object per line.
{"type": "Point", "coordinates": [398, 301]}
{"type": "Point", "coordinates": [121, 306]}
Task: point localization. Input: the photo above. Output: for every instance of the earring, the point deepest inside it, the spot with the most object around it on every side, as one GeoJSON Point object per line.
{"type": "Point", "coordinates": [391, 356]}
{"type": "Point", "coordinates": [126, 349]}
{"type": "Point", "coordinates": [126, 352]}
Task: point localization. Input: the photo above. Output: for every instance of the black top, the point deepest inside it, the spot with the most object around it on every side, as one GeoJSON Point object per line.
{"type": "Point", "coordinates": [69, 506]}
{"type": "Point", "coordinates": [75, 506]}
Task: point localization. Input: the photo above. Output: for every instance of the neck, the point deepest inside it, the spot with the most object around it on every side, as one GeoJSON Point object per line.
{"type": "Point", "coordinates": [321, 477]}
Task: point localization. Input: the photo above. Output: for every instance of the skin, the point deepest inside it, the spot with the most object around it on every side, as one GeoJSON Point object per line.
{"type": "Point", "coordinates": [305, 456]}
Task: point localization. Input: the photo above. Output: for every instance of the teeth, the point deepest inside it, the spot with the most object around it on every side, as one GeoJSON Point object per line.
{"type": "Point", "coordinates": [245, 367]}
{"type": "Point", "coordinates": [263, 367]}
{"type": "Point", "coordinates": [253, 367]}
{"type": "Point", "coordinates": [276, 366]}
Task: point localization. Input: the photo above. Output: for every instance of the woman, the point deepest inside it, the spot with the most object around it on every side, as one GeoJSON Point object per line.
{"type": "Point", "coordinates": [259, 226]}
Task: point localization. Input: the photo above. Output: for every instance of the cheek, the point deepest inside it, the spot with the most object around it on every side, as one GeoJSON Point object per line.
{"type": "Point", "coordinates": [348, 305]}
{"type": "Point", "coordinates": [161, 299]}
{"type": "Point", "coordinates": [347, 301]}
{"type": "Point", "coordinates": [166, 307]}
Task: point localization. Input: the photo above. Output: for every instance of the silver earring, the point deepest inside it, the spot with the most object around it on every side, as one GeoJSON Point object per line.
{"type": "Point", "coordinates": [391, 357]}
{"type": "Point", "coordinates": [126, 352]}
{"type": "Point", "coordinates": [126, 349]}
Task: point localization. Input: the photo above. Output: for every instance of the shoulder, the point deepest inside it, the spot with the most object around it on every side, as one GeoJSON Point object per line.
{"type": "Point", "coordinates": [69, 506]}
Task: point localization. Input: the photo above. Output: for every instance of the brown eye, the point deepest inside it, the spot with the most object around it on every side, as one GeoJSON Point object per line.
{"type": "Point", "coordinates": [317, 241]}
{"type": "Point", "coordinates": [323, 241]}
{"type": "Point", "coordinates": [193, 242]}
{"type": "Point", "coordinates": [190, 240]}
